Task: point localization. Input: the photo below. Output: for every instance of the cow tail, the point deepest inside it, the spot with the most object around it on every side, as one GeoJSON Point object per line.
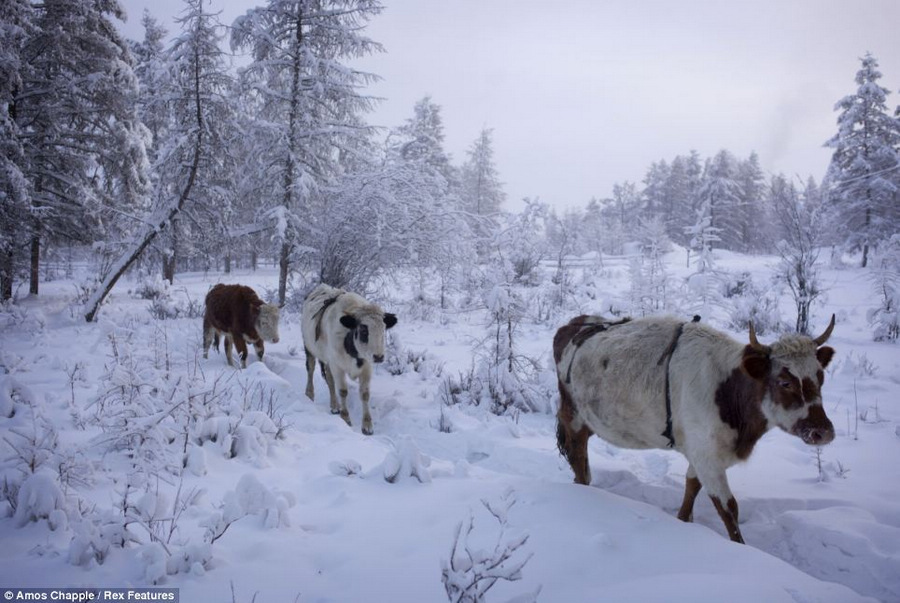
{"type": "Point", "coordinates": [564, 419]}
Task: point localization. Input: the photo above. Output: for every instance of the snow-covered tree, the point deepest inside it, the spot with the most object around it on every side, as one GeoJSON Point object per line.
{"type": "Point", "coordinates": [620, 216]}
{"type": "Point", "coordinates": [16, 26]}
{"type": "Point", "coordinates": [196, 60]}
{"type": "Point", "coordinates": [481, 191]}
{"type": "Point", "coordinates": [885, 279]}
{"type": "Point", "coordinates": [864, 165]}
{"type": "Point", "coordinates": [798, 240]}
{"type": "Point", "coordinates": [420, 141]}
{"type": "Point", "coordinates": [310, 100]}
{"type": "Point", "coordinates": [682, 188]}
{"type": "Point", "coordinates": [751, 219]}
{"type": "Point", "coordinates": [84, 145]}
{"type": "Point", "coordinates": [650, 279]}
{"type": "Point", "coordinates": [720, 194]}
{"type": "Point", "coordinates": [704, 282]}
{"type": "Point", "coordinates": [656, 203]}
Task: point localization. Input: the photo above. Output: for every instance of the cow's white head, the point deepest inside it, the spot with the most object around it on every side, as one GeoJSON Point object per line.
{"type": "Point", "coordinates": [267, 322]}
{"type": "Point", "coordinates": [792, 371]}
{"type": "Point", "coordinates": [365, 340]}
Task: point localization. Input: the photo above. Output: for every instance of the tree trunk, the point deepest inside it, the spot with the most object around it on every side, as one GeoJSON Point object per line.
{"type": "Point", "coordinates": [283, 268]}
{"type": "Point", "coordinates": [35, 259]}
{"type": "Point", "coordinates": [228, 263]}
{"type": "Point", "coordinates": [119, 268]}
{"type": "Point", "coordinates": [170, 260]}
{"type": "Point", "coordinates": [7, 271]}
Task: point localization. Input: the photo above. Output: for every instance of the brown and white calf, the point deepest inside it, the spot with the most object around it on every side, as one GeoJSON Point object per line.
{"type": "Point", "coordinates": [345, 333]}
{"type": "Point", "coordinates": [236, 312]}
{"type": "Point", "coordinates": [617, 378]}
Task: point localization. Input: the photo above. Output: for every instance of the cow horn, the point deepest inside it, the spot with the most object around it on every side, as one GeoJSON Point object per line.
{"type": "Point", "coordinates": [824, 336]}
{"type": "Point", "coordinates": [754, 342]}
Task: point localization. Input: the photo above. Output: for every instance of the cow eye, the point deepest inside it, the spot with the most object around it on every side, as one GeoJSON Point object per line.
{"type": "Point", "coordinates": [785, 384]}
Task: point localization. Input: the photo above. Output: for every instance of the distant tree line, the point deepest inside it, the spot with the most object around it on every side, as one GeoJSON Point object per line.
{"type": "Point", "coordinates": [164, 155]}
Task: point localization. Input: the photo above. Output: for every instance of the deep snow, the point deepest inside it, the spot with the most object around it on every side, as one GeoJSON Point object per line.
{"type": "Point", "coordinates": [316, 520]}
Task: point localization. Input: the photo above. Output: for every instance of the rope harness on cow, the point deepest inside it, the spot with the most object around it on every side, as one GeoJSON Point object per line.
{"type": "Point", "coordinates": [586, 331]}
{"type": "Point", "coordinates": [321, 311]}
{"type": "Point", "coordinates": [667, 356]}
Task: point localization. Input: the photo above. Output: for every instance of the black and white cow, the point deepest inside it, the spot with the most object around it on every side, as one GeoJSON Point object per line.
{"type": "Point", "coordinates": [661, 382]}
{"type": "Point", "coordinates": [345, 333]}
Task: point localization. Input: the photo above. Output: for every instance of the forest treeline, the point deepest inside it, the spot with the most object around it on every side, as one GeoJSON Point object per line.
{"type": "Point", "coordinates": [168, 155]}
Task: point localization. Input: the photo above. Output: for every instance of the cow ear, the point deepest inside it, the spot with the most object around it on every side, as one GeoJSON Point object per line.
{"type": "Point", "coordinates": [824, 355]}
{"type": "Point", "coordinates": [756, 363]}
{"type": "Point", "coordinates": [389, 320]}
{"type": "Point", "coordinates": [348, 321]}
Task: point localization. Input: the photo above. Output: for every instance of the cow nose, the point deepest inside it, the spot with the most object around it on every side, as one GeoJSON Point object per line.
{"type": "Point", "coordinates": [378, 358]}
{"type": "Point", "coordinates": [820, 436]}
{"type": "Point", "coordinates": [275, 340]}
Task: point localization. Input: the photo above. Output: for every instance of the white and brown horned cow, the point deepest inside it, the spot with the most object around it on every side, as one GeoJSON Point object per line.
{"type": "Point", "coordinates": [661, 382]}
{"type": "Point", "coordinates": [345, 333]}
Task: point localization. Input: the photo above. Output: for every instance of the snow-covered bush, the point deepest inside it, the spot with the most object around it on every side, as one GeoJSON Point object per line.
{"type": "Point", "coordinates": [404, 461]}
{"type": "Point", "coordinates": [151, 287]}
{"type": "Point", "coordinates": [39, 497]}
{"type": "Point", "coordinates": [885, 279]}
{"type": "Point", "coordinates": [400, 360]}
{"type": "Point", "coordinates": [473, 569]}
{"type": "Point", "coordinates": [746, 303]}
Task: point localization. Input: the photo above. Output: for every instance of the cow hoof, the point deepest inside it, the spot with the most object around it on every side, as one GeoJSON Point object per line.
{"type": "Point", "coordinates": [335, 411]}
{"type": "Point", "coordinates": [346, 417]}
{"type": "Point", "coordinates": [368, 430]}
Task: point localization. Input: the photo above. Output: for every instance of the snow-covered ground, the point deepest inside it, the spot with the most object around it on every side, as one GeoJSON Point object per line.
{"type": "Point", "coordinates": [298, 505]}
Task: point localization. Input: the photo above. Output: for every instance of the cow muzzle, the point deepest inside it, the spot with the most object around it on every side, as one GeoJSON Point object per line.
{"type": "Point", "coordinates": [378, 358]}
{"type": "Point", "coordinates": [816, 429]}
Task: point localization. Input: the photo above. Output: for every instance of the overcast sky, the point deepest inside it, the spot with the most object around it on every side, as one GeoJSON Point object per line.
{"type": "Point", "coordinates": [582, 94]}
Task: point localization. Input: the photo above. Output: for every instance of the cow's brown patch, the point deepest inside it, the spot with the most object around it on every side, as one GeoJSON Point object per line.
{"type": "Point", "coordinates": [824, 355]}
{"type": "Point", "coordinates": [572, 443]}
{"type": "Point", "coordinates": [787, 390]}
{"type": "Point", "coordinates": [739, 399]}
{"type": "Point", "coordinates": [565, 334]}
{"type": "Point", "coordinates": [729, 515]}
{"type": "Point", "coordinates": [692, 488]}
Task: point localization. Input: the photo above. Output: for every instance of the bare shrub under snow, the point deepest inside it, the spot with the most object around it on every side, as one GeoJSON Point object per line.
{"type": "Point", "coordinates": [473, 568]}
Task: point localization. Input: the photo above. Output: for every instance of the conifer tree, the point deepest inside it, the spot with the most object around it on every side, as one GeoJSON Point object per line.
{"type": "Point", "coordinates": [84, 145]}
{"type": "Point", "coordinates": [864, 165]}
{"type": "Point", "coordinates": [15, 26]}
{"type": "Point", "coordinates": [310, 99]}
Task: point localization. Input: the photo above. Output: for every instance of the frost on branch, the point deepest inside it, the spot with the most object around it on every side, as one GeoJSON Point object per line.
{"type": "Point", "coordinates": [473, 570]}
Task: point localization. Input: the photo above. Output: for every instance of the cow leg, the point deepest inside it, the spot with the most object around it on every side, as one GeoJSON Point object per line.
{"type": "Point", "coordinates": [228, 349]}
{"type": "Point", "coordinates": [365, 378]}
{"type": "Point", "coordinates": [332, 393]}
{"type": "Point", "coordinates": [241, 346]}
{"type": "Point", "coordinates": [716, 484]}
{"type": "Point", "coordinates": [208, 334]}
{"type": "Point", "coordinates": [692, 488]}
{"type": "Point", "coordinates": [310, 372]}
{"type": "Point", "coordinates": [572, 439]}
{"type": "Point", "coordinates": [340, 383]}
{"type": "Point", "coordinates": [260, 348]}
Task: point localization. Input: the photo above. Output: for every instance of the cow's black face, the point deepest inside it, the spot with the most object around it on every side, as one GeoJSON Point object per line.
{"type": "Point", "coordinates": [367, 331]}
